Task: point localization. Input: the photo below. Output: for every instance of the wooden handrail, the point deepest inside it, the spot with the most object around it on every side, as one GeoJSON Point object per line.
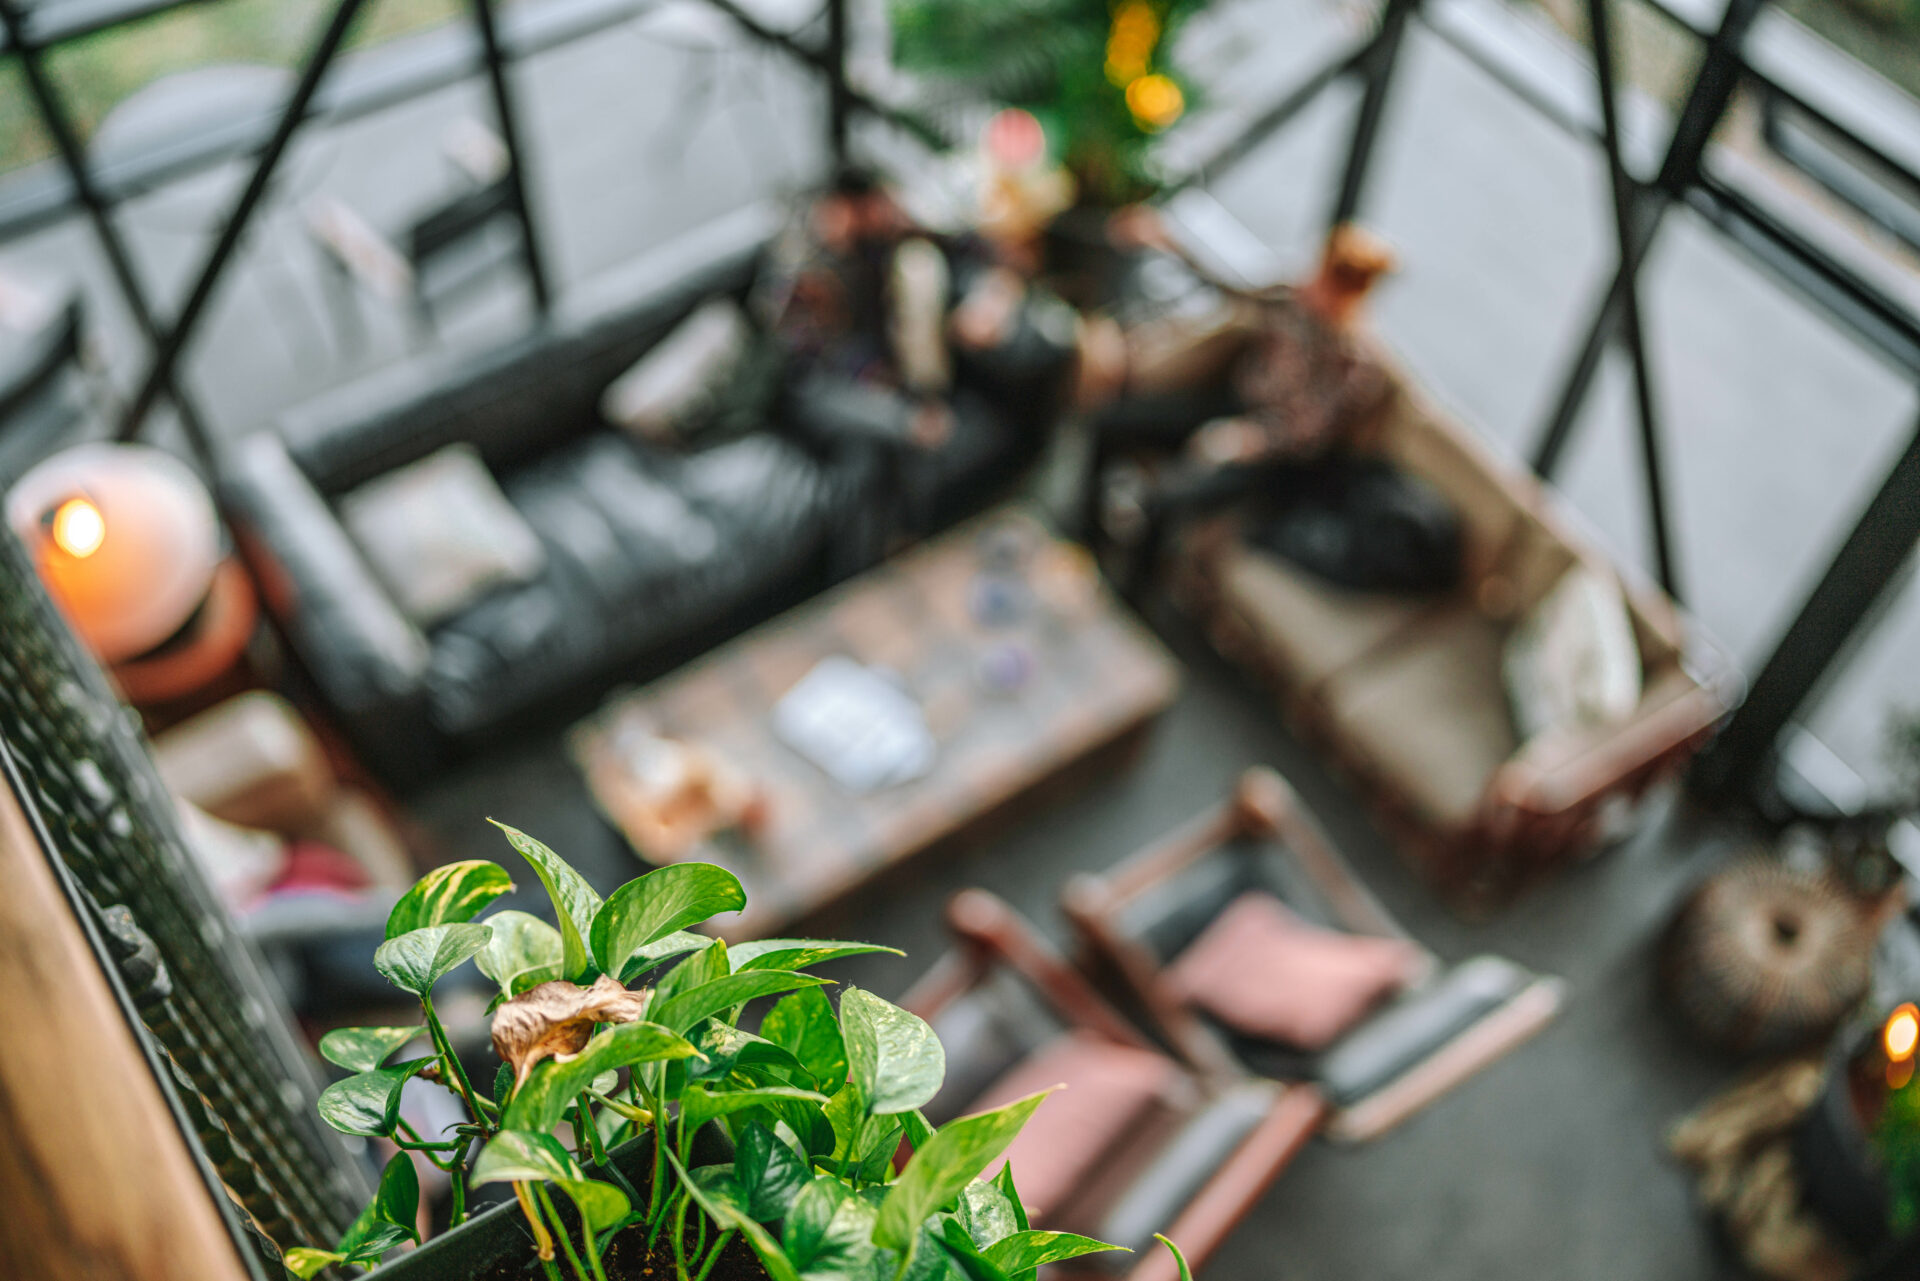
{"type": "Point", "coordinates": [96, 1177]}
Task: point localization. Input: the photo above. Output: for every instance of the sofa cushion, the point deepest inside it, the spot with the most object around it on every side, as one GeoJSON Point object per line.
{"type": "Point", "coordinates": [1266, 973]}
{"type": "Point", "coordinates": [440, 534]}
{"type": "Point", "coordinates": [1428, 715]}
{"type": "Point", "coordinates": [1572, 663]}
{"type": "Point", "coordinates": [643, 549]}
{"type": "Point", "coordinates": [1310, 628]}
{"type": "Point", "coordinates": [1111, 1090]}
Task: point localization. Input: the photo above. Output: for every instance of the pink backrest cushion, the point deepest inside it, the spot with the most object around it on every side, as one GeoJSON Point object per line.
{"type": "Point", "coordinates": [1265, 973]}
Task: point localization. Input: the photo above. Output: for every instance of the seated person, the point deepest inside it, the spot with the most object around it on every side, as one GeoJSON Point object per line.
{"type": "Point", "coordinates": [1276, 408]}
{"type": "Point", "coordinates": [931, 354]}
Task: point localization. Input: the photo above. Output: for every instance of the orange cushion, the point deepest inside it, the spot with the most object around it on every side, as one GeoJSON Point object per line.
{"type": "Point", "coordinates": [1110, 1088]}
{"type": "Point", "coordinates": [1266, 973]}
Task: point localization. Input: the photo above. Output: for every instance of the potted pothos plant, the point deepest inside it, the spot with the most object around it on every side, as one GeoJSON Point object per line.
{"type": "Point", "coordinates": [647, 1134]}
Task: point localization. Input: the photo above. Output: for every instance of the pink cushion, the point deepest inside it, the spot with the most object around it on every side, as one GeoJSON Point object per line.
{"type": "Point", "coordinates": [1110, 1088]}
{"type": "Point", "coordinates": [1266, 973]}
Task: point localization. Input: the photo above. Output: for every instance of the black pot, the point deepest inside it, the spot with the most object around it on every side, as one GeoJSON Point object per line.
{"type": "Point", "coordinates": [498, 1237]}
{"type": "Point", "coordinates": [1839, 1175]}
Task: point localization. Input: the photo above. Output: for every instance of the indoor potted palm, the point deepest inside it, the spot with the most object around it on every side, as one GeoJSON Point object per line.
{"type": "Point", "coordinates": [693, 1149]}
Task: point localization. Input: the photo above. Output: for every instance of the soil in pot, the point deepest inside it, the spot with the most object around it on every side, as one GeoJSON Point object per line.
{"type": "Point", "coordinates": [628, 1259]}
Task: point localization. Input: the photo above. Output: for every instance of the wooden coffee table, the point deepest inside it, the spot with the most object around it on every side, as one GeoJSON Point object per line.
{"type": "Point", "coordinates": [1021, 661]}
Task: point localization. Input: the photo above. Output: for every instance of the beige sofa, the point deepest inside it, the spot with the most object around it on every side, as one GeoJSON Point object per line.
{"type": "Point", "coordinates": [1407, 692]}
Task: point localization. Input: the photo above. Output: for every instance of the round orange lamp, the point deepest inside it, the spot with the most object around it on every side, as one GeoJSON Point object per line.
{"type": "Point", "coordinates": [125, 538]}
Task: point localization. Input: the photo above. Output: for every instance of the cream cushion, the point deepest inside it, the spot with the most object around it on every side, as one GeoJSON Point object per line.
{"type": "Point", "coordinates": [440, 534]}
{"type": "Point", "coordinates": [1430, 716]}
{"type": "Point", "coordinates": [1310, 628]}
{"type": "Point", "coordinates": [1573, 662]}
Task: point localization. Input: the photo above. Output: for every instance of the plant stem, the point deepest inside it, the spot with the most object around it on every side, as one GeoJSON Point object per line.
{"type": "Point", "coordinates": [713, 1255]}
{"type": "Point", "coordinates": [458, 1183]}
{"type": "Point", "coordinates": [452, 1066]}
{"type": "Point", "coordinates": [599, 1149]}
{"type": "Point", "coordinates": [680, 1237]}
{"type": "Point", "coordinates": [654, 1193]}
{"type": "Point", "coordinates": [560, 1231]}
{"type": "Point", "coordinates": [542, 1239]}
{"type": "Point", "coordinates": [592, 1246]}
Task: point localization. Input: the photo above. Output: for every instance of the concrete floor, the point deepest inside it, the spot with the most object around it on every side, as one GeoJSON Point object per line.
{"type": "Point", "coordinates": [1548, 1165]}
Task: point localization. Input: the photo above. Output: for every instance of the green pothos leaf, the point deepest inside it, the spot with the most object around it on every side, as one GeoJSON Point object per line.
{"type": "Point", "coordinates": [368, 1103]}
{"type": "Point", "coordinates": [306, 1262]}
{"type": "Point", "coordinates": [448, 895]}
{"type": "Point", "coordinates": [662, 902]}
{"type": "Point", "coordinates": [953, 1158]}
{"type": "Point", "coordinates": [574, 901]}
{"type": "Point", "coordinates": [803, 1024]}
{"type": "Point", "coordinates": [1024, 1251]}
{"type": "Point", "coordinates": [1179, 1259]}
{"type": "Point", "coordinates": [416, 960]}
{"type": "Point", "coordinates": [524, 952]}
{"type": "Point", "coordinates": [722, 1210]}
{"type": "Point", "coordinates": [892, 1053]}
{"type": "Point", "coordinates": [517, 1156]}
{"type": "Point", "coordinates": [601, 1205]}
{"type": "Point", "coordinates": [362, 1049]}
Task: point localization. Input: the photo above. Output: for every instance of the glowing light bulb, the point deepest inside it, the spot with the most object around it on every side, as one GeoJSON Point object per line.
{"type": "Point", "coordinates": [1901, 1036]}
{"type": "Point", "coordinates": [1155, 101]}
{"type": "Point", "coordinates": [78, 529]}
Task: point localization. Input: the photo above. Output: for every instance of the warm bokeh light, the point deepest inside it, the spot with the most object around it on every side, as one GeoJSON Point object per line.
{"type": "Point", "coordinates": [1155, 101]}
{"type": "Point", "coordinates": [78, 529]}
{"type": "Point", "coordinates": [1130, 41]}
{"type": "Point", "coordinates": [1901, 1036]}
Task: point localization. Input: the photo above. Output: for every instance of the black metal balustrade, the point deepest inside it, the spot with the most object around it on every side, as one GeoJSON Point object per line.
{"type": "Point", "coordinates": [215, 1029]}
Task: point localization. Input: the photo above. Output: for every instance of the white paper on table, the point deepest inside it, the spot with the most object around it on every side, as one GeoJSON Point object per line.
{"type": "Point", "coordinates": [861, 728]}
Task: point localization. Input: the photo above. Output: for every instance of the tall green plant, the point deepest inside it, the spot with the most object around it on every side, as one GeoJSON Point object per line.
{"type": "Point", "coordinates": [1096, 73]}
{"type": "Point", "coordinates": [816, 1103]}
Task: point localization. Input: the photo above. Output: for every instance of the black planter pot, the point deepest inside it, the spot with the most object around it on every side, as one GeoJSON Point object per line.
{"type": "Point", "coordinates": [1839, 1176]}
{"type": "Point", "coordinates": [497, 1240]}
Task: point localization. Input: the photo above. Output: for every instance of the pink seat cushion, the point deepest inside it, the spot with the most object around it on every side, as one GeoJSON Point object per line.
{"type": "Point", "coordinates": [1110, 1088]}
{"type": "Point", "coordinates": [1266, 973]}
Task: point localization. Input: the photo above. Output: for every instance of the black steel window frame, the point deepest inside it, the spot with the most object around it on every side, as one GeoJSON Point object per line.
{"type": "Point", "coordinates": [1739, 761]}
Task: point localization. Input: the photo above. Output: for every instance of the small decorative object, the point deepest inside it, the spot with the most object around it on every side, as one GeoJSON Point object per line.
{"type": "Point", "coordinates": [797, 1175]}
{"type": "Point", "coordinates": [440, 534]}
{"type": "Point", "coordinates": [1765, 958]}
{"type": "Point", "coordinates": [1741, 1147]}
{"type": "Point", "coordinates": [997, 600]}
{"type": "Point", "coordinates": [125, 538]}
{"type": "Point", "coordinates": [860, 727]}
{"type": "Point", "coordinates": [672, 795]}
{"type": "Point", "coordinates": [1005, 667]}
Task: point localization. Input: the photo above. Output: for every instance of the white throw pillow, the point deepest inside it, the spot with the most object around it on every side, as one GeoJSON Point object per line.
{"type": "Point", "coordinates": [1572, 662]}
{"type": "Point", "coordinates": [440, 534]}
{"type": "Point", "coordinates": [680, 378]}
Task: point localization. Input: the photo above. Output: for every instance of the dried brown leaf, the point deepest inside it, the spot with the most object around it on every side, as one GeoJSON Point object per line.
{"type": "Point", "coordinates": [555, 1019]}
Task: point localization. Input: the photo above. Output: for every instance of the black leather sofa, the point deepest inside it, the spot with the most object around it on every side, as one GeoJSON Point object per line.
{"type": "Point", "coordinates": [651, 556]}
